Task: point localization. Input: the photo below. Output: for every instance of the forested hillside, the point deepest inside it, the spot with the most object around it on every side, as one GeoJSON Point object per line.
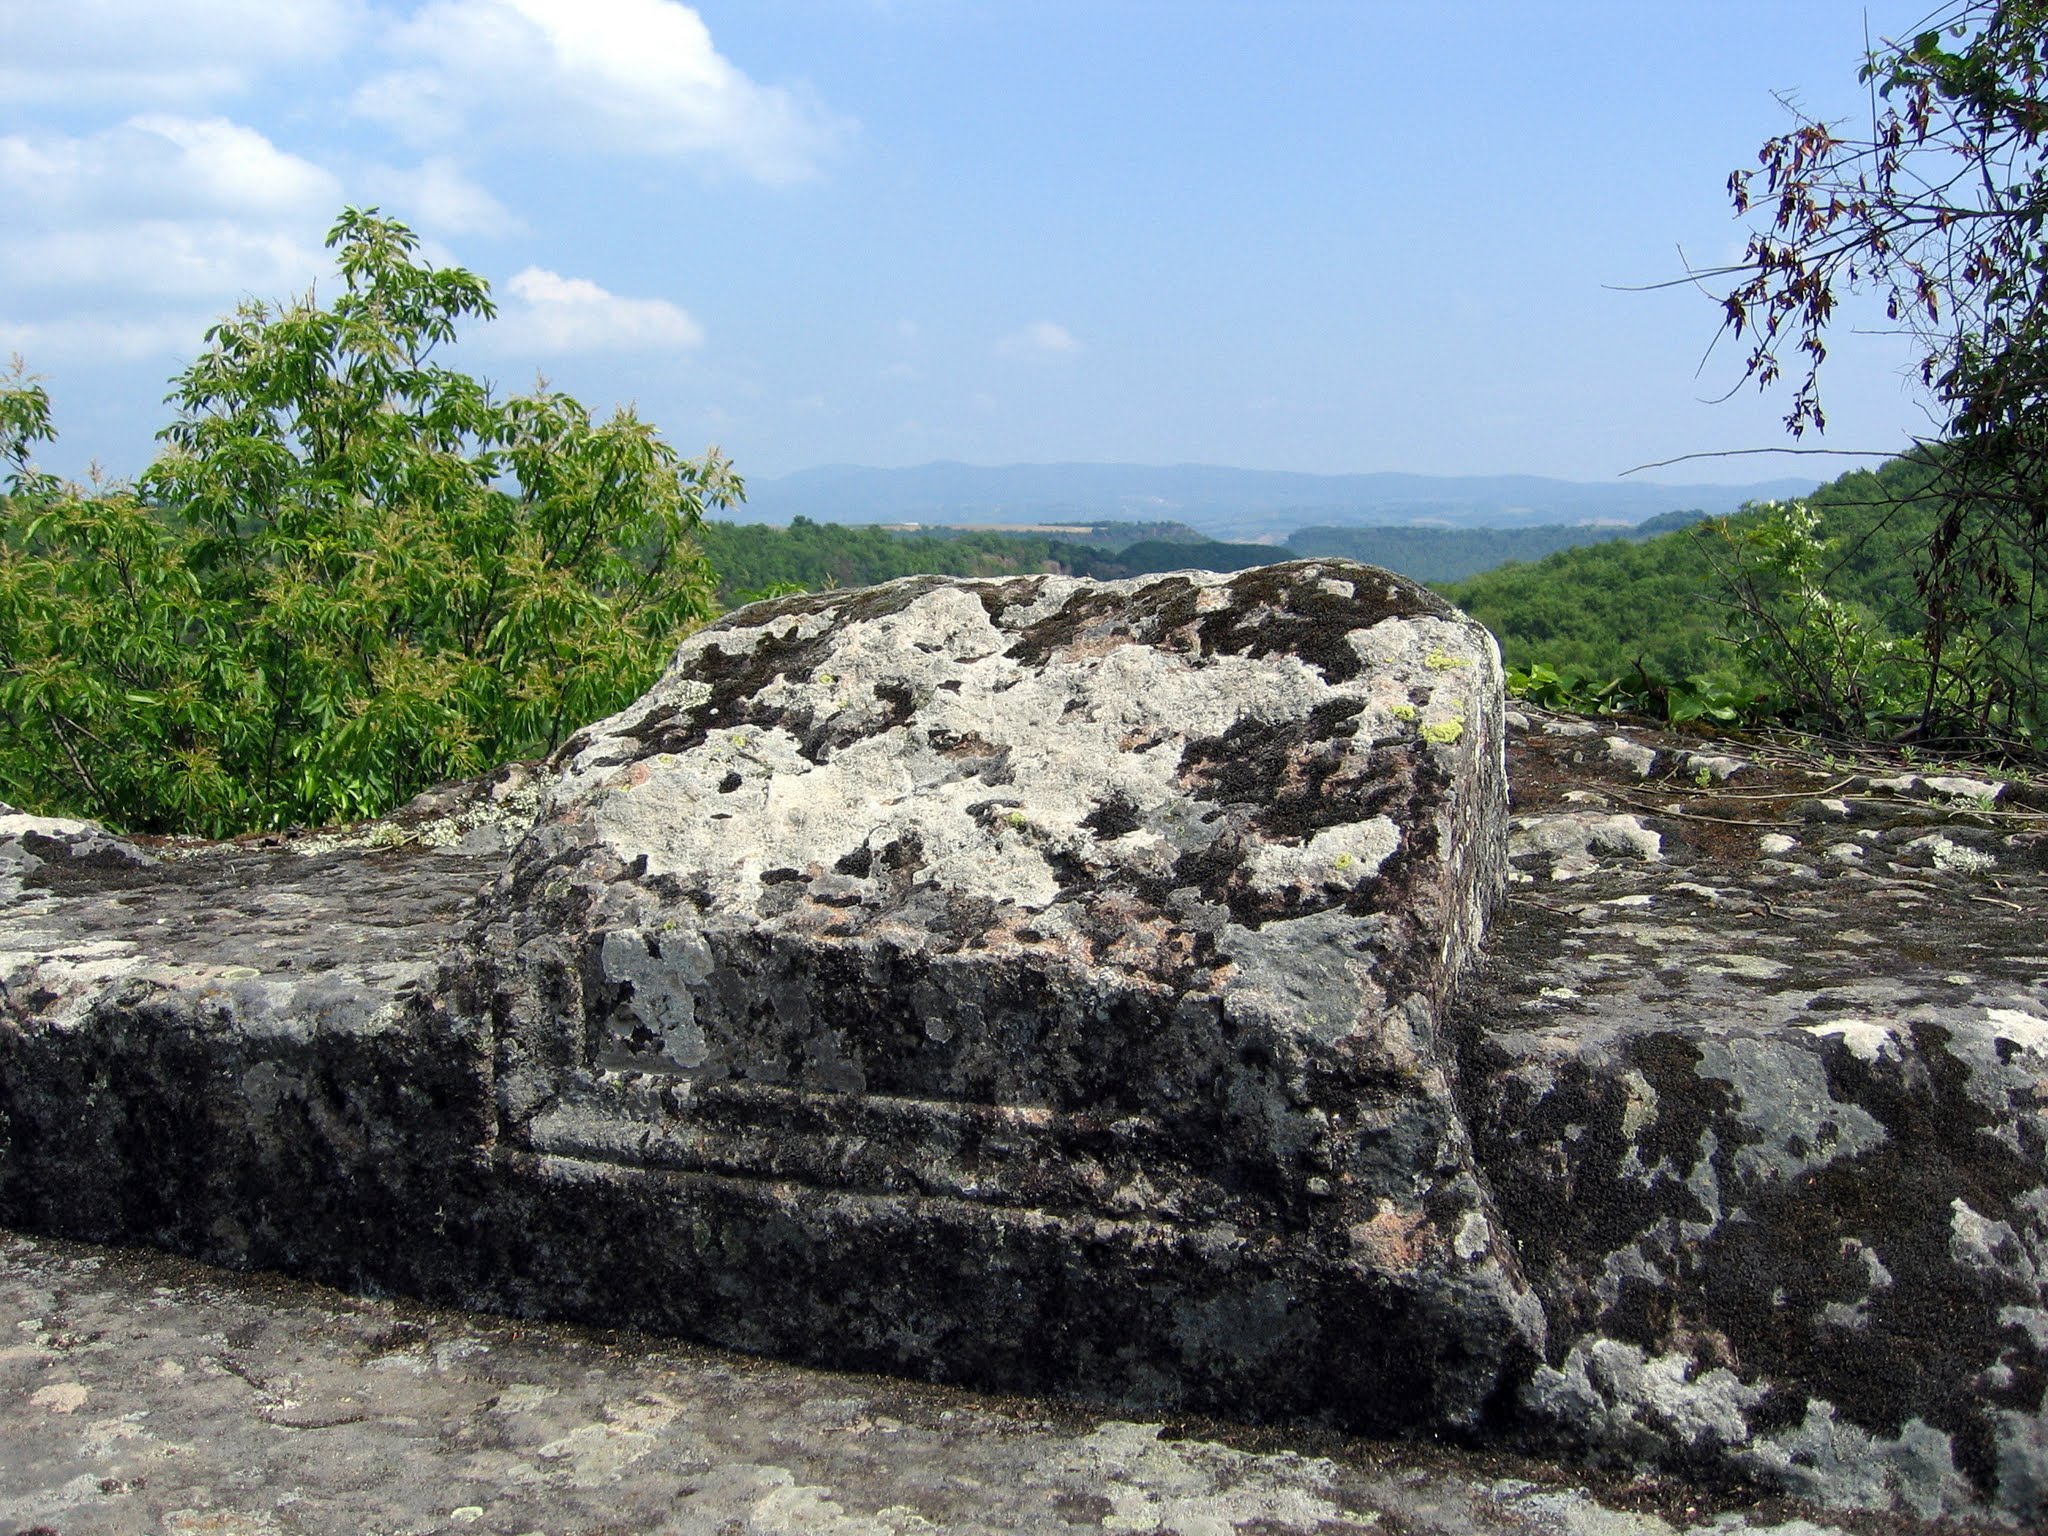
{"type": "Point", "coordinates": [1773, 612]}
{"type": "Point", "coordinates": [1795, 612]}
{"type": "Point", "coordinates": [1451, 554]}
{"type": "Point", "coordinates": [1664, 601]}
{"type": "Point", "coordinates": [753, 558]}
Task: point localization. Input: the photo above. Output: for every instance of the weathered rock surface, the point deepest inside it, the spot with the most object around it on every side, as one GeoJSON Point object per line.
{"type": "Point", "coordinates": [1032, 982]}
{"type": "Point", "coordinates": [1768, 1123]}
{"type": "Point", "coordinates": [147, 1396]}
{"type": "Point", "coordinates": [1040, 985]}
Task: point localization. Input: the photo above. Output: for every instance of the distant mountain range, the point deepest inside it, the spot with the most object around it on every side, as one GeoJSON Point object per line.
{"type": "Point", "coordinates": [1225, 503]}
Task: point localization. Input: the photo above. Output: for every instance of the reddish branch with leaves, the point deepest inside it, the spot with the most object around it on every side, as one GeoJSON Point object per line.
{"type": "Point", "coordinates": [1939, 207]}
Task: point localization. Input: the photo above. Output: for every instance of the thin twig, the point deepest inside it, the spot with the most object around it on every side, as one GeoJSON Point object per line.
{"type": "Point", "coordinates": [1737, 453]}
{"type": "Point", "coordinates": [1726, 821]}
{"type": "Point", "coordinates": [1768, 794]}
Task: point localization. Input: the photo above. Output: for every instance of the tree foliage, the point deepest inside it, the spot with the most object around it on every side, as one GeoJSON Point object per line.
{"type": "Point", "coordinates": [352, 572]}
{"type": "Point", "coordinates": [1937, 207]}
{"type": "Point", "coordinates": [1804, 614]}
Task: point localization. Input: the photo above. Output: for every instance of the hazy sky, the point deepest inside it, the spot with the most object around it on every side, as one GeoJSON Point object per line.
{"type": "Point", "coordinates": [1336, 236]}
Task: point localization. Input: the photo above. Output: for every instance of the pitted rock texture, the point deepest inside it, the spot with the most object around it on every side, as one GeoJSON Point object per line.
{"type": "Point", "coordinates": [1075, 951]}
{"type": "Point", "coordinates": [234, 1051]}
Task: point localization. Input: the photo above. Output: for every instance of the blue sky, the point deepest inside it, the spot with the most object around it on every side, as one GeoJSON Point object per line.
{"type": "Point", "coordinates": [1335, 236]}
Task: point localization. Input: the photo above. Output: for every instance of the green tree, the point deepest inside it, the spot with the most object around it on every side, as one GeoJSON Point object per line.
{"type": "Point", "coordinates": [352, 572]}
{"type": "Point", "coordinates": [1938, 207]}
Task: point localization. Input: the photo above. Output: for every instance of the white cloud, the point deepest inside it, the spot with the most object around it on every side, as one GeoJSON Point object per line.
{"type": "Point", "coordinates": [160, 206]}
{"type": "Point", "coordinates": [553, 313]}
{"type": "Point", "coordinates": [1042, 338]}
{"type": "Point", "coordinates": [99, 338]}
{"type": "Point", "coordinates": [158, 163]}
{"type": "Point", "coordinates": [162, 52]}
{"type": "Point", "coordinates": [212, 259]}
{"type": "Point", "coordinates": [635, 76]}
{"type": "Point", "coordinates": [438, 195]}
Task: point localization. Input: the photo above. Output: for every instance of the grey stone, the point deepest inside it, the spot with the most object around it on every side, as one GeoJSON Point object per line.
{"type": "Point", "coordinates": [1947, 852]}
{"type": "Point", "coordinates": [1939, 787]}
{"type": "Point", "coordinates": [27, 843]}
{"type": "Point", "coordinates": [1780, 1173]}
{"type": "Point", "coordinates": [1632, 755]}
{"type": "Point", "coordinates": [1570, 844]}
{"type": "Point", "coordinates": [1717, 766]}
{"type": "Point", "coordinates": [1072, 954]}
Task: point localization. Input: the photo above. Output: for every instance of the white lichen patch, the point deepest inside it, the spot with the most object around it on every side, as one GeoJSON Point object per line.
{"type": "Point", "coordinates": [1198, 1488]}
{"type": "Point", "coordinates": [790, 812]}
{"type": "Point", "coordinates": [2027, 1031]}
{"type": "Point", "coordinates": [1639, 1108]}
{"type": "Point", "coordinates": [1716, 766]}
{"type": "Point", "coordinates": [1945, 853]}
{"type": "Point", "coordinates": [1575, 841]}
{"type": "Point", "coordinates": [1980, 1242]}
{"type": "Point", "coordinates": [1336, 858]}
{"type": "Point", "coordinates": [1748, 967]}
{"type": "Point", "coordinates": [1956, 787]}
{"type": "Point", "coordinates": [991, 768]}
{"type": "Point", "coordinates": [1948, 786]}
{"type": "Point", "coordinates": [1632, 755]}
{"type": "Point", "coordinates": [1866, 1041]}
{"type": "Point", "coordinates": [1627, 1395]}
{"type": "Point", "coordinates": [61, 1397]}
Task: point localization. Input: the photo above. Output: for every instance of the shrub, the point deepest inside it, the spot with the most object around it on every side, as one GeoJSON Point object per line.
{"type": "Point", "coordinates": [352, 572]}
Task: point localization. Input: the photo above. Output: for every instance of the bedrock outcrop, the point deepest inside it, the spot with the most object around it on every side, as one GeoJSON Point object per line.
{"type": "Point", "coordinates": [1028, 981]}
{"type": "Point", "coordinates": [1048, 986]}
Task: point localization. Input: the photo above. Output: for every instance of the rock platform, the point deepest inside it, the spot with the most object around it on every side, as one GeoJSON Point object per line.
{"type": "Point", "coordinates": [1086, 1028]}
{"type": "Point", "coordinates": [144, 1395]}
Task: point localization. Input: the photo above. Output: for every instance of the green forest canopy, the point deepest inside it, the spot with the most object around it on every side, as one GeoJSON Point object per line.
{"type": "Point", "coordinates": [1662, 602]}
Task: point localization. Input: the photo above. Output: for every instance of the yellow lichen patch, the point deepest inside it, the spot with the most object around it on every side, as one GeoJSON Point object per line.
{"type": "Point", "coordinates": [1443, 732]}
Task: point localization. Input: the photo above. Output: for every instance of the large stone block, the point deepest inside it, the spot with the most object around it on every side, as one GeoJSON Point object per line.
{"type": "Point", "coordinates": [1032, 981]}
